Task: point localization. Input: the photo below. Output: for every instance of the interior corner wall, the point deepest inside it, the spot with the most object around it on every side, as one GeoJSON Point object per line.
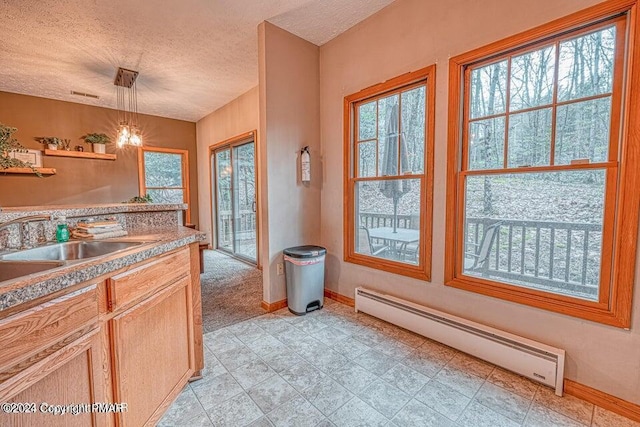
{"type": "Point", "coordinates": [408, 35]}
{"type": "Point", "coordinates": [290, 119]}
{"type": "Point", "coordinates": [235, 118]}
{"type": "Point", "coordinates": [79, 180]}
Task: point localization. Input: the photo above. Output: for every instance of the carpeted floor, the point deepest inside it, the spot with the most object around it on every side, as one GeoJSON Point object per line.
{"type": "Point", "coordinates": [231, 291]}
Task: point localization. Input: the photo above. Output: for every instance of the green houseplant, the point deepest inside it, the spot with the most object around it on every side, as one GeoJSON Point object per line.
{"type": "Point", "coordinates": [51, 142]}
{"type": "Point", "coordinates": [98, 141]}
{"type": "Point", "coordinates": [8, 144]}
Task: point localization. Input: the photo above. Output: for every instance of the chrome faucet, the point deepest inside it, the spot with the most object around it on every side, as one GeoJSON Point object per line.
{"type": "Point", "coordinates": [24, 229]}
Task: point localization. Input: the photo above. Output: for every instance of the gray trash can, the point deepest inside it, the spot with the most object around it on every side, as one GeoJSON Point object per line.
{"type": "Point", "coordinates": [304, 274]}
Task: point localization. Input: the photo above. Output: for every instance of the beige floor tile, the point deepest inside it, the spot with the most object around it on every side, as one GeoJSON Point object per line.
{"type": "Point", "coordinates": [513, 382]}
{"type": "Point", "coordinates": [506, 403]}
{"type": "Point", "coordinates": [271, 393]}
{"type": "Point", "coordinates": [213, 390]}
{"type": "Point", "coordinates": [405, 379]}
{"type": "Point", "coordinates": [477, 415]}
{"type": "Point", "coordinates": [238, 411]}
{"type": "Point", "coordinates": [186, 410]}
{"type": "Point", "coordinates": [295, 413]}
{"type": "Point", "coordinates": [416, 414]}
{"type": "Point", "coordinates": [328, 396]}
{"type": "Point", "coordinates": [385, 398]}
{"type": "Point", "coordinates": [375, 362]}
{"type": "Point", "coordinates": [540, 416]}
{"type": "Point", "coordinates": [433, 385]}
{"type": "Point", "coordinates": [357, 413]}
{"type": "Point", "coordinates": [353, 377]}
{"type": "Point", "coordinates": [570, 406]}
{"type": "Point", "coordinates": [443, 399]}
{"type": "Point", "coordinates": [605, 418]}
{"type": "Point", "coordinates": [460, 380]}
{"type": "Point", "coordinates": [302, 375]}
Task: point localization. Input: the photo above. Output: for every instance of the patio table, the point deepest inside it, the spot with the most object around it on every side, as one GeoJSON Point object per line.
{"type": "Point", "coordinates": [402, 236]}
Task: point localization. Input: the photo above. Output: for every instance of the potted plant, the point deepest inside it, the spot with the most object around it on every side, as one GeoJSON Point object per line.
{"type": "Point", "coordinates": [8, 144]}
{"type": "Point", "coordinates": [98, 141]}
{"type": "Point", "coordinates": [50, 141]}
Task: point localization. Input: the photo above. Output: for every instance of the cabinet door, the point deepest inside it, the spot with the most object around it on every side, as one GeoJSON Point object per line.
{"type": "Point", "coordinates": [153, 353]}
{"type": "Point", "coordinates": [70, 375]}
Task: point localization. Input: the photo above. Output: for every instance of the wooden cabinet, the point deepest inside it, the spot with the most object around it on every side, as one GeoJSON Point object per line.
{"type": "Point", "coordinates": [154, 336]}
{"type": "Point", "coordinates": [129, 337]}
{"type": "Point", "coordinates": [50, 360]}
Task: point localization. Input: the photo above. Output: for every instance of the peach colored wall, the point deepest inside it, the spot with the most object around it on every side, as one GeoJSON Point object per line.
{"type": "Point", "coordinates": [408, 35]}
{"type": "Point", "coordinates": [85, 180]}
{"type": "Point", "coordinates": [290, 119]}
{"type": "Point", "coordinates": [235, 118]}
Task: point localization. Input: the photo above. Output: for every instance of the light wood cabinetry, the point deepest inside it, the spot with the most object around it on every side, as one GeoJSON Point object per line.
{"type": "Point", "coordinates": [50, 359]}
{"type": "Point", "coordinates": [125, 338]}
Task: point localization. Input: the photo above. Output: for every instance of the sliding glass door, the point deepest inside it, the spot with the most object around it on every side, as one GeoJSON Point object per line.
{"type": "Point", "coordinates": [235, 200]}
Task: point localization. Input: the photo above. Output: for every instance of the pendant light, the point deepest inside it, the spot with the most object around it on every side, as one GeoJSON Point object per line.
{"type": "Point", "coordinates": [128, 130]}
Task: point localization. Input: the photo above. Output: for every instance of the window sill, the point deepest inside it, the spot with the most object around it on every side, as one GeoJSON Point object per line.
{"type": "Point", "coordinates": [421, 272]}
{"type": "Point", "coordinates": [588, 310]}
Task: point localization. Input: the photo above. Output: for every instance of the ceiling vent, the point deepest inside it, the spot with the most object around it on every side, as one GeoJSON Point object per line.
{"type": "Point", "coordinates": [86, 95]}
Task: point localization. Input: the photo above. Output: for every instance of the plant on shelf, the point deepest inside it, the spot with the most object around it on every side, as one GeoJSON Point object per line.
{"type": "Point", "coordinates": [140, 199]}
{"type": "Point", "coordinates": [98, 141]}
{"type": "Point", "coordinates": [51, 142]}
{"type": "Point", "coordinates": [8, 144]}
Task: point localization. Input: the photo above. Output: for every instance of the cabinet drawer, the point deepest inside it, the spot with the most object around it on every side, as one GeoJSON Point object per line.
{"type": "Point", "coordinates": [146, 279]}
{"type": "Point", "coordinates": [28, 333]}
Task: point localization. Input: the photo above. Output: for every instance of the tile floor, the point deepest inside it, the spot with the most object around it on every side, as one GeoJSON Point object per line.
{"type": "Point", "coordinates": [338, 368]}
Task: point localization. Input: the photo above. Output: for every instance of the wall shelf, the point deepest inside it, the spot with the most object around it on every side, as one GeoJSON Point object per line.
{"type": "Point", "coordinates": [42, 171]}
{"type": "Point", "coordinates": [79, 154]}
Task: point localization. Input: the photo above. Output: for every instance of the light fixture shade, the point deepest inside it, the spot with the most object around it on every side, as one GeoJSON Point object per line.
{"type": "Point", "coordinates": [128, 132]}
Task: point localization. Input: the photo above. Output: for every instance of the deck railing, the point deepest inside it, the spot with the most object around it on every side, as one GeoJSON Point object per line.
{"type": "Point", "coordinates": [561, 257]}
{"type": "Point", "coordinates": [246, 226]}
{"type": "Point", "coordinates": [375, 220]}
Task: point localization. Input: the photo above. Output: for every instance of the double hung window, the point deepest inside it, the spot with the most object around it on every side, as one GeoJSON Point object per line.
{"type": "Point", "coordinates": [537, 168]}
{"type": "Point", "coordinates": [389, 149]}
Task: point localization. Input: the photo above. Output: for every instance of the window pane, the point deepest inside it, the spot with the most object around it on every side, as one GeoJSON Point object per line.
{"type": "Point", "coordinates": [367, 159]}
{"type": "Point", "coordinates": [378, 203]}
{"type": "Point", "coordinates": [532, 78]}
{"type": "Point", "coordinates": [413, 127]}
{"type": "Point", "coordinates": [586, 65]}
{"type": "Point", "coordinates": [488, 90]}
{"type": "Point", "coordinates": [530, 138]}
{"type": "Point", "coordinates": [224, 232]}
{"type": "Point", "coordinates": [162, 169]}
{"type": "Point", "coordinates": [486, 144]}
{"type": "Point", "coordinates": [387, 130]}
{"type": "Point", "coordinates": [166, 196]}
{"type": "Point", "coordinates": [367, 119]}
{"type": "Point", "coordinates": [582, 131]}
{"type": "Point", "coordinates": [536, 230]}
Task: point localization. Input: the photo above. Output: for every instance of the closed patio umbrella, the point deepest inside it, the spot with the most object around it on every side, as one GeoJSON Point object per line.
{"type": "Point", "coordinates": [394, 188]}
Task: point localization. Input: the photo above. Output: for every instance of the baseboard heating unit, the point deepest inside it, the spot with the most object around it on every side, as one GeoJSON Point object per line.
{"type": "Point", "coordinates": [528, 358]}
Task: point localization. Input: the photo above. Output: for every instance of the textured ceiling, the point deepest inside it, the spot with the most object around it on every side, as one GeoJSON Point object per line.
{"type": "Point", "coordinates": [193, 56]}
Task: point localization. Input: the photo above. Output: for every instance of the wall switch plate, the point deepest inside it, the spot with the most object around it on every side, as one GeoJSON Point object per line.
{"type": "Point", "coordinates": [280, 269]}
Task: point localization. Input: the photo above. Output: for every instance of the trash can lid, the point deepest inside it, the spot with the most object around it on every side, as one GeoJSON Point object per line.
{"type": "Point", "coordinates": [307, 251]}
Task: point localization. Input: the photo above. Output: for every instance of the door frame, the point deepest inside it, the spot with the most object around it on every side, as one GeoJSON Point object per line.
{"type": "Point", "coordinates": [231, 142]}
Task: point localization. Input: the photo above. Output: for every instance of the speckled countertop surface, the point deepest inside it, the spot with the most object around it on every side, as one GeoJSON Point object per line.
{"type": "Point", "coordinates": [7, 214]}
{"type": "Point", "coordinates": [36, 285]}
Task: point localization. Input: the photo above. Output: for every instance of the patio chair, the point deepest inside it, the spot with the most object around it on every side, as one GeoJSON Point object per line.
{"type": "Point", "coordinates": [365, 243]}
{"type": "Point", "coordinates": [479, 256]}
{"type": "Point", "coordinates": [410, 251]}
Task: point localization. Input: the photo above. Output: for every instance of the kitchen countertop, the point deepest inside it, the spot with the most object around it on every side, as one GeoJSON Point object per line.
{"type": "Point", "coordinates": [160, 240]}
{"type": "Point", "coordinates": [10, 213]}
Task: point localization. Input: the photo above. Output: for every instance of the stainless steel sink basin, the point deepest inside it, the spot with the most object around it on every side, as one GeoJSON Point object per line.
{"type": "Point", "coordinates": [69, 251]}
{"type": "Point", "coordinates": [13, 269]}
